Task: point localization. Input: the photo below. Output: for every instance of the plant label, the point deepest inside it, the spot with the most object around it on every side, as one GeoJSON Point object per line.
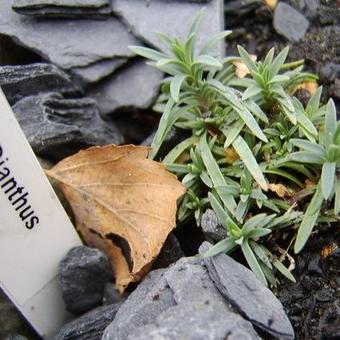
{"type": "Point", "coordinates": [35, 232]}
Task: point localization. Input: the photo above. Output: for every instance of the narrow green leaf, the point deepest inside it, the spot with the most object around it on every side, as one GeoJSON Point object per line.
{"type": "Point", "coordinates": [283, 270]}
{"type": "Point", "coordinates": [260, 253]}
{"type": "Point", "coordinates": [249, 160]}
{"type": "Point", "coordinates": [327, 179]}
{"type": "Point", "coordinates": [220, 212]}
{"type": "Point", "coordinates": [178, 168]}
{"type": "Point", "coordinates": [285, 174]}
{"type": "Point", "coordinates": [215, 174]}
{"type": "Point", "coordinates": [256, 110]}
{"type": "Point", "coordinates": [179, 149]}
{"type": "Point", "coordinates": [280, 78]}
{"type": "Point", "coordinates": [208, 61]}
{"type": "Point", "coordinates": [306, 123]}
{"type": "Point", "coordinates": [189, 49]}
{"type": "Point", "coordinates": [286, 218]}
{"type": "Point", "coordinates": [224, 246]}
{"type": "Point", "coordinates": [232, 132]}
{"type": "Point", "coordinates": [278, 62]}
{"type": "Point", "coordinates": [252, 262]}
{"type": "Point", "coordinates": [288, 108]}
{"type": "Point", "coordinates": [314, 102]}
{"type": "Point", "coordinates": [257, 221]}
{"type": "Point", "coordinates": [206, 179]}
{"type": "Point", "coordinates": [242, 209]}
{"type": "Point", "coordinates": [309, 220]}
{"type": "Point", "coordinates": [165, 38]}
{"type": "Point", "coordinates": [210, 163]}
{"type": "Point", "coordinates": [148, 53]}
{"type": "Point", "coordinates": [229, 189]}
{"type": "Point", "coordinates": [257, 233]}
{"type": "Point", "coordinates": [196, 23]}
{"type": "Point", "coordinates": [189, 179]}
{"type": "Point", "coordinates": [247, 59]}
{"type": "Point", "coordinates": [269, 57]}
{"type": "Point", "coordinates": [268, 273]}
{"type": "Point", "coordinates": [306, 157]}
{"type": "Point", "coordinates": [308, 146]}
{"type": "Point", "coordinates": [175, 86]}
{"type": "Point", "coordinates": [330, 122]}
{"type": "Point", "coordinates": [241, 110]}
{"type": "Point", "coordinates": [251, 91]}
{"type": "Point", "coordinates": [337, 198]}
{"type": "Point", "coordinates": [214, 41]}
{"type": "Point", "coordinates": [162, 128]}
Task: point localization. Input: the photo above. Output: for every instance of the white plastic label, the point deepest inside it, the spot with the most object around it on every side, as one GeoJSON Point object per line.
{"type": "Point", "coordinates": [35, 232]}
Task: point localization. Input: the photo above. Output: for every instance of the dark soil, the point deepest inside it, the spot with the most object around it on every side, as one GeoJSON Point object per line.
{"type": "Point", "coordinates": [313, 303]}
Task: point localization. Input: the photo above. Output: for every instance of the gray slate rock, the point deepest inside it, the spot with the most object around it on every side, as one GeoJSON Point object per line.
{"type": "Point", "coordinates": [21, 81]}
{"type": "Point", "coordinates": [133, 87]}
{"type": "Point", "coordinates": [212, 229]}
{"type": "Point", "coordinates": [289, 22]}
{"type": "Point", "coordinates": [62, 8]}
{"type": "Point", "coordinates": [170, 253]}
{"type": "Point", "coordinates": [196, 321]}
{"type": "Point", "coordinates": [248, 295]}
{"type": "Point", "coordinates": [84, 272]}
{"type": "Point", "coordinates": [57, 127]}
{"type": "Point", "coordinates": [152, 297]}
{"type": "Point", "coordinates": [111, 294]}
{"type": "Point", "coordinates": [173, 18]}
{"type": "Point", "coordinates": [68, 43]}
{"type": "Point", "coordinates": [159, 308]}
{"type": "Point", "coordinates": [95, 72]}
{"type": "Point", "coordinates": [89, 326]}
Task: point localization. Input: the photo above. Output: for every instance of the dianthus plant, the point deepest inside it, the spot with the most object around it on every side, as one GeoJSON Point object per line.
{"type": "Point", "coordinates": [265, 163]}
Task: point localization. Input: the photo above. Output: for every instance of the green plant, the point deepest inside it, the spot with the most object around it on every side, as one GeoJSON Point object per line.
{"type": "Point", "coordinates": [242, 157]}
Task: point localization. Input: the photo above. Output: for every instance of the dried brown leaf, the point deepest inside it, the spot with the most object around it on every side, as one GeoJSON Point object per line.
{"type": "Point", "coordinates": [271, 3]}
{"type": "Point", "coordinates": [231, 155]}
{"type": "Point", "coordinates": [280, 190]}
{"type": "Point", "coordinates": [124, 204]}
{"type": "Point", "coordinates": [310, 86]}
{"type": "Point", "coordinates": [241, 69]}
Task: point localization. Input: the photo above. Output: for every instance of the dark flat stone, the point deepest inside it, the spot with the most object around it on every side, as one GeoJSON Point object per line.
{"type": "Point", "coordinates": [143, 306]}
{"type": "Point", "coordinates": [90, 325]}
{"type": "Point", "coordinates": [95, 72]}
{"type": "Point", "coordinates": [180, 302]}
{"type": "Point", "coordinates": [20, 81]}
{"type": "Point", "coordinates": [248, 295]}
{"type": "Point", "coordinates": [212, 229]}
{"type": "Point", "coordinates": [68, 43]}
{"type": "Point", "coordinates": [201, 321]}
{"type": "Point", "coordinates": [170, 17]}
{"type": "Point", "coordinates": [62, 8]}
{"type": "Point", "coordinates": [289, 22]}
{"type": "Point", "coordinates": [84, 272]}
{"type": "Point", "coordinates": [57, 127]}
{"type": "Point", "coordinates": [133, 87]}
